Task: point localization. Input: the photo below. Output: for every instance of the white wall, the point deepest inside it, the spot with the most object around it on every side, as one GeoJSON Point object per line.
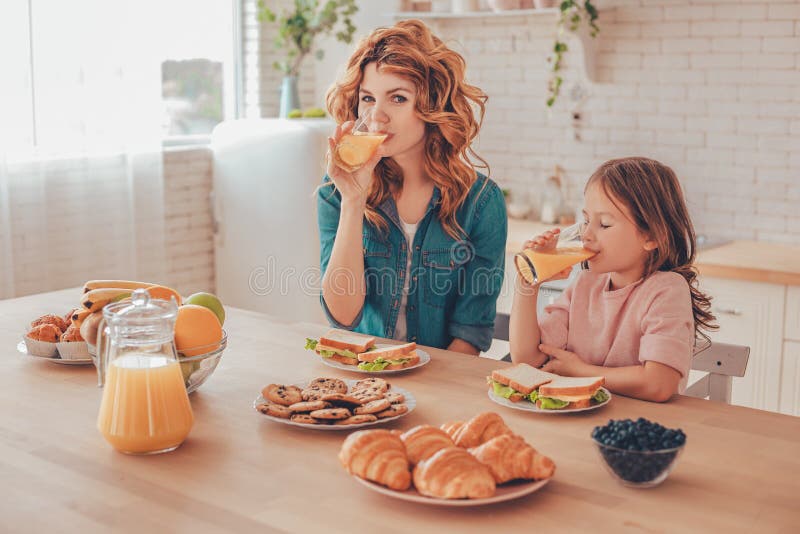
{"type": "Point", "coordinates": [187, 226]}
{"type": "Point", "coordinates": [710, 87]}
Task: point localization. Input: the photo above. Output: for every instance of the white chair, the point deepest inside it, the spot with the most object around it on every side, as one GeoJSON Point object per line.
{"type": "Point", "coordinates": [720, 361]}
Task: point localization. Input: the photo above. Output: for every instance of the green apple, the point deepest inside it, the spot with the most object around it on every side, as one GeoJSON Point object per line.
{"type": "Point", "coordinates": [187, 368]}
{"type": "Point", "coordinates": [209, 301]}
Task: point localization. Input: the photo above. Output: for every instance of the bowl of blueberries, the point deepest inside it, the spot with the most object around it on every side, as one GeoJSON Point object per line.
{"type": "Point", "coordinates": [638, 453]}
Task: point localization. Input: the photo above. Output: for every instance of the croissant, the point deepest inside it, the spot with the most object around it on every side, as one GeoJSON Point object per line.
{"type": "Point", "coordinates": [377, 455]}
{"type": "Point", "coordinates": [424, 441]}
{"type": "Point", "coordinates": [510, 457]}
{"type": "Point", "coordinates": [453, 473]}
{"type": "Point", "coordinates": [477, 430]}
{"type": "Point", "coordinates": [451, 427]}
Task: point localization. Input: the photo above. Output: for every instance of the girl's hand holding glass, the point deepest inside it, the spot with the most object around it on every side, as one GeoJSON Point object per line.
{"type": "Point", "coordinates": [551, 255]}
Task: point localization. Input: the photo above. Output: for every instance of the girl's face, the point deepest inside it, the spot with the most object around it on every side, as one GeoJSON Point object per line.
{"type": "Point", "coordinates": [394, 101]}
{"type": "Point", "coordinates": [610, 231]}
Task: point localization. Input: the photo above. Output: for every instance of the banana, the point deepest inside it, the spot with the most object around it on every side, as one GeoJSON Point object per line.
{"type": "Point", "coordinates": [97, 298]}
{"type": "Point", "coordinates": [120, 284]}
{"type": "Point", "coordinates": [79, 315]}
{"type": "Point", "coordinates": [89, 327]}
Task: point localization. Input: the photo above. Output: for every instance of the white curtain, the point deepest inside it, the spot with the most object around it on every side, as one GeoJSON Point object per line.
{"type": "Point", "coordinates": [81, 173]}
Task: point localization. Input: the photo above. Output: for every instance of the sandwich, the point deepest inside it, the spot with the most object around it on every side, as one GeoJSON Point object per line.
{"type": "Point", "coordinates": [341, 346]}
{"type": "Point", "coordinates": [571, 392]}
{"type": "Point", "coordinates": [389, 358]}
{"type": "Point", "coordinates": [548, 391]}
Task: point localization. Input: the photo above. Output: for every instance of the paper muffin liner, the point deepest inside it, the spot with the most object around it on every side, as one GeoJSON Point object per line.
{"type": "Point", "coordinates": [73, 350]}
{"type": "Point", "coordinates": [44, 349]}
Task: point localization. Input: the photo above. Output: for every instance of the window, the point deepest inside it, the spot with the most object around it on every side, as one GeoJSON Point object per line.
{"type": "Point", "coordinates": [89, 75]}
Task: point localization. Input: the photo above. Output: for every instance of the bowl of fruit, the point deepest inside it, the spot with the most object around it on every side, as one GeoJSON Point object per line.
{"type": "Point", "coordinates": [196, 369]}
{"type": "Point", "coordinates": [638, 453]}
{"type": "Point", "coordinates": [199, 338]}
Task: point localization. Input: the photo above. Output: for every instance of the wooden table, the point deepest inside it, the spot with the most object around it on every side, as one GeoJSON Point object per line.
{"type": "Point", "coordinates": [240, 472]}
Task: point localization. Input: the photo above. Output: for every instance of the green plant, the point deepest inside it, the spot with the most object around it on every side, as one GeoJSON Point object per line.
{"type": "Point", "coordinates": [299, 26]}
{"type": "Point", "coordinates": [573, 12]}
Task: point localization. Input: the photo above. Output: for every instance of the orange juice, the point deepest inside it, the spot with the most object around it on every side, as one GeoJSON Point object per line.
{"type": "Point", "coordinates": [537, 266]}
{"type": "Point", "coordinates": [145, 407]}
{"type": "Point", "coordinates": [355, 149]}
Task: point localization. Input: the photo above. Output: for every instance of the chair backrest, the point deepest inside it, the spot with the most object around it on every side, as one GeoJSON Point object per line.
{"type": "Point", "coordinates": [722, 362]}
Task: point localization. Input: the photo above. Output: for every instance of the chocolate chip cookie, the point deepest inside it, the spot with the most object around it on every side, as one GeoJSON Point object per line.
{"type": "Point", "coordinates": [393, 411]}
{"type": "Point", "coordinates": [373, 407]}
{"type": "Point", "coordinates": [357, 420]}
{"type": "Point", "coordinates": [331, 413]}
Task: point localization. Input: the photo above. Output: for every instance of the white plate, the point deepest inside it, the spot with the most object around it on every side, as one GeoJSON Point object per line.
{"type": "Point", "coordinates": [424, 358]}
{"type": "Point", "coordinates": [527, 406]}
{"type": "Point", "coordinates": [505, 492]}
{"type": "Point", "coordinates": [410, 402]}
{"type": "Point", "coordinates": [81, 361]}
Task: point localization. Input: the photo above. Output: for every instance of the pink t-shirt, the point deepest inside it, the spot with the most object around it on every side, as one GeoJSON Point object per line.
{"type": "Point", "coordinates": [648, 320]}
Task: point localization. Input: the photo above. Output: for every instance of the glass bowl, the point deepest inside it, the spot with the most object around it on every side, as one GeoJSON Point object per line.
{"type": "Point", "coordinates": [639, 469]}
{"type": "Point", "coordinates": [197, 369]}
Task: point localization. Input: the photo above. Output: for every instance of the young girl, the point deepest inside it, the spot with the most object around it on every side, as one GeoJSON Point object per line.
{"type": "Point", "coordinates": [634, 314]}
{"type": "Point", "coordinates": [412, 243]}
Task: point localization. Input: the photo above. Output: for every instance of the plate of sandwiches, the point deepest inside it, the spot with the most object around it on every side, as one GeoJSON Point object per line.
{"type": "Point", "coordinates": [335, 404]}
{"type": "Point", "coordinates": [350, 351]}
{"type": "Point", "coordinates": [480, 461]}
{"type": "Point", "coordinates": [524, 387]}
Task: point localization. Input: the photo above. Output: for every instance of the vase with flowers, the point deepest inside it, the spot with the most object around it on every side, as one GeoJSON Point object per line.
{"type": "Point", "coordinates": [298, 27]}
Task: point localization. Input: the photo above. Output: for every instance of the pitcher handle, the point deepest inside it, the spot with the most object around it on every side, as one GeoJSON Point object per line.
{"type": "Point", "coordinates": [102, 354]}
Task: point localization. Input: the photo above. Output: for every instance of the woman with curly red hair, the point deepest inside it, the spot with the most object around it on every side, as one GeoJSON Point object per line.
{"type": "Point", "coordinates": [413, 242]}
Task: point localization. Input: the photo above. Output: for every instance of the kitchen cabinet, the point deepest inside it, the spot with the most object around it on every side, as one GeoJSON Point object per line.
{"type": "Point", "coordinates": [790, 378]}
{"type": "Point", "coordinates": [752, 314]}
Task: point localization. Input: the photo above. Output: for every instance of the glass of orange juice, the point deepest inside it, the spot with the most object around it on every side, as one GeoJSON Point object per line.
{"type": "Point", "coordinates": [539, 265]}
{"type": "Point", "coordinates": [145, 407]}
{"type": "Point", "coordinates": [354, 149]}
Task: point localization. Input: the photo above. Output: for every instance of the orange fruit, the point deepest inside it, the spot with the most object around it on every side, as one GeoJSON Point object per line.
{"type": "Point", "coordinates": [196, 326]}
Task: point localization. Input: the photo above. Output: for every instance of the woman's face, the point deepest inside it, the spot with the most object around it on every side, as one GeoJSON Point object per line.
{"type": "Point", "coordinates": [394, 101]}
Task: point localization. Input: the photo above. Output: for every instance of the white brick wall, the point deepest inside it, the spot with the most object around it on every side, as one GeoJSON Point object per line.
{"type": "Point", "coordinates": [57, 242]}
{"type": "Point", "coordinates": [710, 87]}
{"type": "Point", "coordinates": [187, 224]}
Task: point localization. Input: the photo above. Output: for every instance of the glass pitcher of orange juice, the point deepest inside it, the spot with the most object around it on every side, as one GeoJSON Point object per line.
{"type": "Point", "coordinates": [539, 265]}
{"type": "Point", "coordinates": [145, 408]}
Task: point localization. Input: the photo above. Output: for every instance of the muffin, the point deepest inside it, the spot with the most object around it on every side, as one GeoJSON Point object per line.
{"type": "Point", "coordinates": [68, 316]}
{"type": "Point", "coordinates": [42, 339]}
{"type": "Point", "coordinates": [71, 334]}
{"type": "Point", "coordinates": [59, 322]}
{"type": "Point", "coordinates": [72, 346]}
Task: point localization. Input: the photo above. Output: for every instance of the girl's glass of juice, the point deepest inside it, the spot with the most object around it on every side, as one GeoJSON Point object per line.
{"type": "Point", "coordinates": [539, 265]}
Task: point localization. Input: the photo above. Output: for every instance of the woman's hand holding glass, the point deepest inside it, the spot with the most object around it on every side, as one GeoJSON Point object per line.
{"type": "Point", "coordinates": [354, 151]}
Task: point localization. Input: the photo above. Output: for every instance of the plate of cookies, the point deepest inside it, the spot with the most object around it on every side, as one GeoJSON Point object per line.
{"type": "Point", "coordinates": [335, 404]}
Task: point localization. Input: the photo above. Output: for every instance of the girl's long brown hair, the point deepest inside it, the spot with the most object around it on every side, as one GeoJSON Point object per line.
{"type": "Point", "coordinates": [444, 100]}
{"type": "Point", "coordinates": [651, 192]}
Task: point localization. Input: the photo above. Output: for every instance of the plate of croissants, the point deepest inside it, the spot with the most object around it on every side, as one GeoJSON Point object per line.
{"type": "Point", "coordinates": [477, 462]}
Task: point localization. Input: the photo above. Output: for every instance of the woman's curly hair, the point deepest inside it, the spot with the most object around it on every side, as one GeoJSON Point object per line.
{"type": "Point", "coordinates": [444, 101]}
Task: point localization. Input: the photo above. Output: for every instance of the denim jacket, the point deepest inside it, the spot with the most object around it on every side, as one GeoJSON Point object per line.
{"type": "Point", "coordinates": [454, 283]}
